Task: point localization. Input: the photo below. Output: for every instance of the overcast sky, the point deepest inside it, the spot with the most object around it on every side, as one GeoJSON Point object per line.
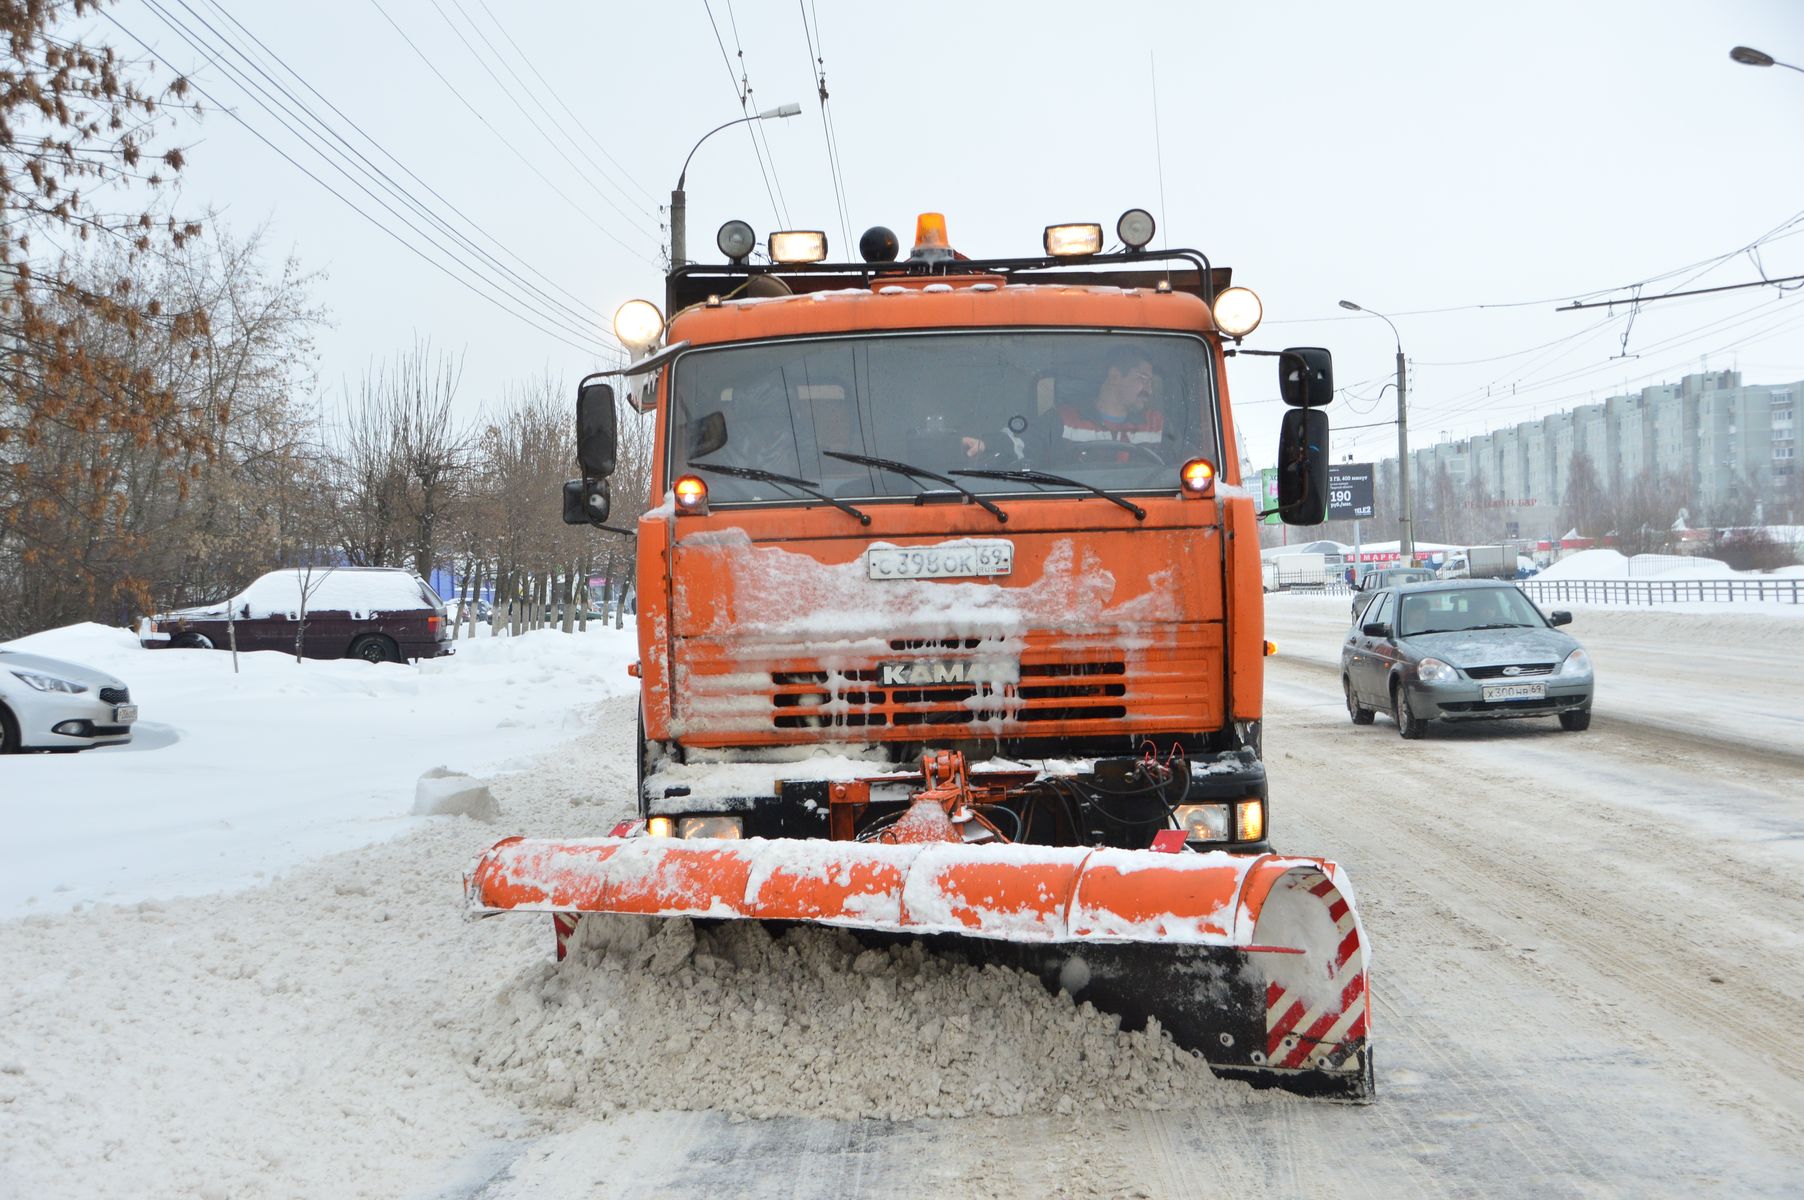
{"type": "Point", "coordinates": [1464, 172]}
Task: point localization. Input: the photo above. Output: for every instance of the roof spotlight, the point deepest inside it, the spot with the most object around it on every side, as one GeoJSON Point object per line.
{"type": "Point", "coordinates": [798, 246]}
{"type": "Point", "coordinates": [1069, 241]}
{"type": "Point", "coordinates": [736, 240]}
{"type": "Point", "coordinates": [1135, 228]}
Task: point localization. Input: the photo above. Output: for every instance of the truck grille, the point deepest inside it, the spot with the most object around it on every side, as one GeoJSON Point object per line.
{"type": "Point", "coordinates": [1046, 692]}
{"type": "Point", "coordinates": [113, 695]}
{"type": "Point", "coordinates": [1522, 670]}
{"type": "Point", "coordinates": [753, 691]}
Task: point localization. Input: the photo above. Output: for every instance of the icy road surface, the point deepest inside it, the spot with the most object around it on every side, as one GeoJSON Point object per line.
{"type": "Point", "coordinates": [1589, 950]}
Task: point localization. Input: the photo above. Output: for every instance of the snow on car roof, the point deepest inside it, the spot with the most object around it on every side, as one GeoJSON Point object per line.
{"type": "Point", "coordinates": [346, 589]}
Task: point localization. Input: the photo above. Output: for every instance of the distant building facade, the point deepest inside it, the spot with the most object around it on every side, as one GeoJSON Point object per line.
{"type": "Point", "coordinates": [1733, 443]}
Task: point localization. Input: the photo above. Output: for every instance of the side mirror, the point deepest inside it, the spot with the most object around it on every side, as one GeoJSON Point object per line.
{"type": "Point", "coordinates": [1303, 467]}
{"type": "Point", "coordinates": [586, 501]}
{"type": "Point", "coordinates": [596, 436]}
{"type": "Point", "coordinates": [708, 435]}
{"type": "Point", "coordinates": [1374, 629]}
{"type": "Point", "coordinates": [1559, 618]}
{"type": "Point", "coordinates": [1306, 377]}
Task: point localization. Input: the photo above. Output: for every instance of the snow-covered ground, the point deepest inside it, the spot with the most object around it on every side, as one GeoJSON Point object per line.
{"type": "Point", "coordinates": [1587, 952]}
{"type": "Point", "coordinates": [231, 779]}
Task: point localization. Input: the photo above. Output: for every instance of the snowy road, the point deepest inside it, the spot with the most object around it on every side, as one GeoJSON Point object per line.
{"type": "Point", "coordinates": [1589, 949]}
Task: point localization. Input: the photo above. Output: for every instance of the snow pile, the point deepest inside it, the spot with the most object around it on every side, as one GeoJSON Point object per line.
{"type": "Point", "coordinates": [232, 778]}
{"type": "Point", "coordinates": [1608, 564]}
{"type": "Point", "coordinates": [656, 1013]}
{"type": "Point", "coordinates": [442, 792]}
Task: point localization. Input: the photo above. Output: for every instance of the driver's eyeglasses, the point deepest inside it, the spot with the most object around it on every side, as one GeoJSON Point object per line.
{"type": "Point", "coordinates": [1143, 376]}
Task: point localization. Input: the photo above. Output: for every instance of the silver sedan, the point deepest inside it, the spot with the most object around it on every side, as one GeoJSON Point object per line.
{"type": "Point", "coordinates": [1471, 650]}
{"type": "Point", "coordinates": [51, 704]}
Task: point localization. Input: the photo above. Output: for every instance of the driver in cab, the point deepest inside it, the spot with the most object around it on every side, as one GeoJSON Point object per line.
{"type": "Point", "coordinates": [1123, 411]}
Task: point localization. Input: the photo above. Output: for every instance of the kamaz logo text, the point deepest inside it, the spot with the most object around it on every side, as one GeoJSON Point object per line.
{"type": "Point", "coordinates": [925, 672]}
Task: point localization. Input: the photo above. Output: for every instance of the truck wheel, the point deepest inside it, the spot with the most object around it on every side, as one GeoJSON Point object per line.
{"type": "Point", "coordinates": [1361, 716]}
{"type": "Point", "coordinates": [1408, 724]}
{"type": "Point", "coordinates": [374, 648]}
{"type": "Point", "coordinates": [1576, 720]}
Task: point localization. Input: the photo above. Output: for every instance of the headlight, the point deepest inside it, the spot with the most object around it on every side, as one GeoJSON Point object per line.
{"type": "Point", "coordinates": [1577, 663]}
{"type": "Point", "coordinates": [1204, 822]}
{"type": "Point", "coordinates": [1433, 670]}
{"type": "Point", "coordinates": [50, 683]}
{"type": "Point", "coordinates": [727, 828]}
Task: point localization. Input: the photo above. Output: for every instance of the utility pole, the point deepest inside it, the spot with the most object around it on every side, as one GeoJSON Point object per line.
{"type": "Point", "coordinates": [1406, 540]}
{"type": "Point", "coordinates": [1406, 544]}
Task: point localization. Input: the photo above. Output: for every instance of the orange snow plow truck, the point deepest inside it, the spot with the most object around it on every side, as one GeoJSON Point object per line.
{"type": "Point", "coordinates": [950, 629]}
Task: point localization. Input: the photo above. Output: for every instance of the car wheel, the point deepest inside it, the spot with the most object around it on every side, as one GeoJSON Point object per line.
{"type": "Point", "coordinates": [1576, 720]}
{"type": "Point", "coordinates": [194, 641]}
{"type": "Point", "coordinates": [1408, 724]}
{"type": "Point", "coordinates": [1361, 716]}
{"type": "Point", "coordinates": [9, 732]}
{"type": "Point", "coordinates": [375, 648]}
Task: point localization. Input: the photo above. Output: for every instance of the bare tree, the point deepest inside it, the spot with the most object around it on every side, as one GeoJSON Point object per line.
{"type": "Point", "coordinates": [1586, 507]}
{"type": "Point", "coordinates": [400, 457]}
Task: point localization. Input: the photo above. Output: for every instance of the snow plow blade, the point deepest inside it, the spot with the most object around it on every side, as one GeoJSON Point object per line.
{"type": "Point", "coordinates": [1257, 963]}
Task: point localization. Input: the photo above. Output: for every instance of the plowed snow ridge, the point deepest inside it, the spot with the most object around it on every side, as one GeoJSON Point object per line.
{"type": "Point", "coordinates": [658, 1013]}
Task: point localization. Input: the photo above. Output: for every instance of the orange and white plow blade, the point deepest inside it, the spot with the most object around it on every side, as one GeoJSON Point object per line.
{"type": "Point", "coordinates": [1257, 963]}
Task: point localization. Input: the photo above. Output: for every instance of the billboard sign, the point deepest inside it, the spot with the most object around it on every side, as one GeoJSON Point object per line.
{"type": "Point", "coordinates": [1350, 491]}
{"type": "Point", "coordinates": [1268, 496]}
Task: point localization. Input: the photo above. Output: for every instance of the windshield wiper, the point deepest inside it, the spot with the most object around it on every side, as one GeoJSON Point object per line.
{"type": "Point", "coordinates": [1503, 625]}
{"type": "Point", "coordinates": [902, 468]}
{"type": "Point", "coordinates": [1030, 476]}
{"type": "Point", "coordinates": [759, 473]}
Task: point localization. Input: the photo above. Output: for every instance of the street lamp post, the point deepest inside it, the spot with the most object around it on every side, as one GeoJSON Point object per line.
{"type": "Point", "coordinates": [679, 205]}
{"type": "Point", "coordinates": [1406, 542]}
{"type": "Point", "coordinates": [1750, 57]}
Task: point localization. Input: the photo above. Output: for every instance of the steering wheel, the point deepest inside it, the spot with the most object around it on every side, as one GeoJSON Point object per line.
{"type": "Point", "coordinates": [1098, 453]}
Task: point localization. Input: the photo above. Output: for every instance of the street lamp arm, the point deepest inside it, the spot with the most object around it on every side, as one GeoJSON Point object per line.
{"type": "Point", "coordinates": [698, 145]}
{"type": "Point", "coordinates": [782, 110]}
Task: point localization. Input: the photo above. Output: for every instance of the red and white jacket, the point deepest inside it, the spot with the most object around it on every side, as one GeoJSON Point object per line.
{"type": "Point", "coordinates": [1081, 426]}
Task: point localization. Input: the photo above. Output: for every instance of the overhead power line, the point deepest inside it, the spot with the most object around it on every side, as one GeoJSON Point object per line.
{"type": "Point", "coordinates": [1637, 301]}
{"type": "Point", "coordinates": [817, 66]}
{"type": "Point", "coordinates": [557, 144]}
{"type": "Point", "coordinates": [553, 93]}
{"type": "Point", "coordinates": [515, 150]}
{"type": "Point", "coordinates": [591, 314]}
{"type": "Point", "coordinates": [550, 326]}
{"type": "Point", "coordinates": [742, 88]}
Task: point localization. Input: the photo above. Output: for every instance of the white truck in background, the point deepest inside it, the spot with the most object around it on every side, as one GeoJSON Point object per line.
{"type": "Point", "coordinates": [1286, 571]}
{"type": "Point", "coordinates": [1480, 562]}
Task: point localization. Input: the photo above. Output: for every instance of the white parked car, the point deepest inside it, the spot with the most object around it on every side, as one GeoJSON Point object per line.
{"type": "Point", "coordinates": [50, 704]}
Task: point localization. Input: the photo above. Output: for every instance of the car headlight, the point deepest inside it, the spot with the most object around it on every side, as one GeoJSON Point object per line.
{"type": "Point", "coordinates": [50, 683]}
{"type": "Point", "coordinates": [1433, 670]}
{"type": "Point", "coordinates": [1204, 822]}
{"type": "Point", "coordinates": [727, 828]}
{"type": "Point", "coordinates": [1577, 663]}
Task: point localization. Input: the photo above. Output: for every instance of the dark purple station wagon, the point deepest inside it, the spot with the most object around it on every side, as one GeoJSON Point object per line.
{"type": "Point", "coordinates": [378, 614]}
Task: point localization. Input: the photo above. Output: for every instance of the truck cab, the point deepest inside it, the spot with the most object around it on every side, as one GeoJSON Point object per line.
{"type": "Point", "coordinates": [987, 506]}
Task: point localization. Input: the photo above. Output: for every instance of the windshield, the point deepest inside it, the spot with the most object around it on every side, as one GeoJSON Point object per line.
{"type": "Point", "coordinates": [1456, 611]}
{"type": "Point", "coordinates": [1119, 411]}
